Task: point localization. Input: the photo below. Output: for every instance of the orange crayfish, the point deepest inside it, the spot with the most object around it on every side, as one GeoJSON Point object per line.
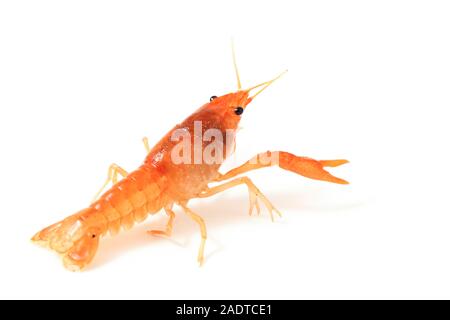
{"type": "Point", "coordinates": [180, 167]}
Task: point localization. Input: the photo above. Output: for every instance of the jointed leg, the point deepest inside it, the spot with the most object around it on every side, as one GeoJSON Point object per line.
{"type": "Point", "coordinates": [306, 167]}
{"type": "Point", "coordinates": [254, 194]}
{"type": "Point", "coordinates": [202, 225]}
{"type": "Point", "coordinates": [146, 145]}
{"type": "Point", "coordinates": [168, 231]}
{"type": "Point", "coordinates": [113, 171]}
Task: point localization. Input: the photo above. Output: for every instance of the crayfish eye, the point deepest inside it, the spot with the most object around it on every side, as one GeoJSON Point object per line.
{"type": "Point", "coordinates": [212, 98]}
{"type": "Point", "coordinates": [238, 110]}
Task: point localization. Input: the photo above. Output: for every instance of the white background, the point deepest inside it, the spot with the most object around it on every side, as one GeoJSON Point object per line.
{"type": "Point", "coordinates": [82, 82]}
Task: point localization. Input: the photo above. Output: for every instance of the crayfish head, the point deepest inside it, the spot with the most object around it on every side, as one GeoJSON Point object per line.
{"type": "Point", "coordinates": [229, 107]}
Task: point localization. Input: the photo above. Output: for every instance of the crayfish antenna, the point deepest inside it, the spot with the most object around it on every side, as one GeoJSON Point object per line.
{"type": "Point", "coordinates": [239, 85]}
{"type": "Point", "coordinates": [265, 84]}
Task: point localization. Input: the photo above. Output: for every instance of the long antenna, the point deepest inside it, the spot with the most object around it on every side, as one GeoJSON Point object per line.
{"type": "Point", "coordinates": [266, 84]}
{"type": "Point", "coordinates": [235, 66]}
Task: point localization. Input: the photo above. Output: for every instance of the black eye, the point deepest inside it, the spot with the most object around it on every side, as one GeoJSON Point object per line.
{"type": "Point", "coordinates": [212, 98]}
{"type": "Point", "coordinates": [93, 236]}
{"type": "Point", "coordinates": [238, 110]}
